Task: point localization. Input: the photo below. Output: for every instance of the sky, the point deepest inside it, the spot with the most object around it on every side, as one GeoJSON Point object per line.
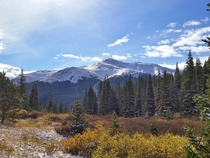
{"type": "Point", "coordinates": [55, 34]}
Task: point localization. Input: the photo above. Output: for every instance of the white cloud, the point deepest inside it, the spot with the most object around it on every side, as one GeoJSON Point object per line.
{"type": "Point", "coordinates": [2, 47]}
{"type": "Point", "coordinates": [163, 51]}
{"type": "Point", "coordinates": [125, 39]}
{"type": "Point", "coordinates": [10, 71]}
{"type": "Point", "coordinates": [177, 31]}
{"type": "Point", "coordinates": [191, 23]}
{"type": "Point", "coordinates": [205, 20]}
{"type": "Point", "coordinates": [119, 57]}
{"type": "Point", "coordinates": [163, 42]}
{"type": "Point", "coordinates": [198, 49]}
{"type": "Point", "coordinates": [173, 66]}
{"type": "Point", "coordinates": [129, 55]}
{"type": "Point", "coordinates": [106, 54]}
{"type": "Point", "coordinates": [172, 25]}
{"type": "Point", "coordinates": [20, 18]}
{"type": "Point", "coordinates": [191, 37]}
{"type": "Point", "coordinates": [165, 32]}
{"type": "Point", "coordinates": [96, 59]}
{"type": "Point", "coordinates": [77, 57]}
{"type": "Point", "coordinates": [183, 64]}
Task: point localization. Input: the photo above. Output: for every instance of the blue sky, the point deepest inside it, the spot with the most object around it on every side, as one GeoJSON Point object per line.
{"type": "Point", "coordinates": [55, 34]}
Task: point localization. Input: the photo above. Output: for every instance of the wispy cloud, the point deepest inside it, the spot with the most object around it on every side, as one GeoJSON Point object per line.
{"type": "Point", "coordinates": [205, 20]}
{"type": "Point", "coordinates": [163, 42]}
{"type": "Point", "coordinates": [173, 66]}
{"type": "Point", "coordinates": [163, 51]}
{"type": "Point", "coordinates": [182, 65]}
{"type": "Point", "coordinates": [172, 25]}
{"type": "Point", "coordinates": [191, 37]}
{"type": "Point", "coordinates": [119, 57]}
{"type": "Point", "coordinates": [125, 39]}
{"type": "Point", "coordinates": [191, 23]}
{"type": "Point", "coordinates": [77, 57]}
{"type": "Point", "coordinates": [105, 54]}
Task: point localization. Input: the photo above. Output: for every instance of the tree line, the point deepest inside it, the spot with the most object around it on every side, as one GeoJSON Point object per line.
{"type": "Point", "coordinates": [162, 94]}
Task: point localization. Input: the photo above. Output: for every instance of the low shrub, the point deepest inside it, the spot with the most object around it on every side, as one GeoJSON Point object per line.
{"type": "Point", "coordinates": [100, 143]}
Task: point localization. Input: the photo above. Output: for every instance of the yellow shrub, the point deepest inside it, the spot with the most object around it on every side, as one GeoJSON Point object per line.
{"type": "Point", "coordinates": [99, 143]}
{"type": "Point", "coordinates": [137, 146]}
{"type": "Point", "coordinates": [83, 144]}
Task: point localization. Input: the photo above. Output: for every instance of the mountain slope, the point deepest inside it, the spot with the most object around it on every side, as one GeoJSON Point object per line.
{"type": "Point", "coordinates": [106, 68]}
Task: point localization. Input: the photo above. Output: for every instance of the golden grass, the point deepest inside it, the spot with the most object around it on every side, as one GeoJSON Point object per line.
{"type": "Point", "coordinates": [142, 124]}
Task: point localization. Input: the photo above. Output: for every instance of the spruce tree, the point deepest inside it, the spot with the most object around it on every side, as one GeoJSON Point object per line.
{"type": "Point", "coordinates": [188, 88]}
{"type": "Point", "coordinates": [104, 98]}
{"type": "Point", "coordinates": [128, 107]}
{"type": "Point", "coordinates": [33, 99]}
{"type": "Point", "coordinates": [54, 108]}
{"type": "Point", "coordinates": [22, 86]}
{"type": "Point", "coordinates": [117, 91]}
{"type": "Point", "coordinates": [90, 102]}
{"type": "Point", "coordinates": [206, 70]}
{"type": "Point", "coordinates": [176, 89]}
{"type": "Point", "coordinates": [78, 124]}
{"type": "Point", "coordinates": [138, 98]}
{"type": "Point", "coordinates": [10, 99]}
{"type": "Point", "coordinates": [200, 146]}
{"type": "Point", "coordinates": [60, 108]}
{"type": "Point", "coordinates": [150, 97]}
{"type": "Point", "coordinates": [113, 103]}
{"type": "Point", "coordinates": [199, 77]}
{"type": "Point", "coordinates": [166, 105]}
{"type": "Point", "coordinates": [50, 104]}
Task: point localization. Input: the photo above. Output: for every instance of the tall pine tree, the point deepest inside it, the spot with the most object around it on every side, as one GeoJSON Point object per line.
{"type": "Point", "coordinates": [90, 102]}
{"type": "Point", "coordinates": [33, 100]}
{"type": "Point", "coordinates": [128, 96]}
{"type": "Point", "coordinates": [150, 103]}
{"type": "Point", "coordinates": [188, 88]}
{"type": "Point", "coordinates": [22, 86]}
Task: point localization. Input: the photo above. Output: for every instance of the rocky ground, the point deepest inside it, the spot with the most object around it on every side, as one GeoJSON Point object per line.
{"type": "Point", "coordinates": [30, 142]}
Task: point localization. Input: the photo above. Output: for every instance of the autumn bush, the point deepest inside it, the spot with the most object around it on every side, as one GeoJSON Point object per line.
{"type": "Point", "coordinates": [141, 125]}
{"type": "Point", "coordinates": [99, 143]}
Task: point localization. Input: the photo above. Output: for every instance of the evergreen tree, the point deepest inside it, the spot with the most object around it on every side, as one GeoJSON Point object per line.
{"type": "Point", "coordinates": [199, 147]}
{"type": "Point", "coordinates": [65, 109]}
{"type": "Point", "coordinates": [104, 98]}
{"type": "Point", "coordinates": [117, 91]}
{"type": "Point", "coordinates": [113, 103]}
{"type": "Point", "coordinates": [90, 102]}
{"type": "Point", "coordinates": [188, 88]}
{"type": "Point", "coordinates": [22, 86]}
{"type": "Point", "coordinates": [115, 125]}
{"type": "Point", "coordinates": [199, 77]}
{"type": "Point", "coordinates": [157, 89]}
{"type": "Point", "coordinates": [128, 107]}
{"type": "Point", "coordinates": [33, 100]}
{"type": "Point", "coordinates": [176, 89]}
{"type": "Point", "coordinates": [60, 108]}
{"type": "Point", "coordinates": [54, 108]}
{"type": "Point", "coordinates": [50, 104]}
{"type": "Point", "coordinates": [166, 104]}
{"type": "Point", "coordinates": [10, 99]}
{"type": "Point", "coordinates": [78, 124]}
{"type": "Point", "coordinates": [150, 97]}
{"type": "Point", "coordinates": [138, 99]}
{"type": "Point", "coordinates": [206, 70]}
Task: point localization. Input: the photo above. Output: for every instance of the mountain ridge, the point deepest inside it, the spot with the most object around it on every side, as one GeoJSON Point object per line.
{"type": "Point", "coordinates": [107, 68]}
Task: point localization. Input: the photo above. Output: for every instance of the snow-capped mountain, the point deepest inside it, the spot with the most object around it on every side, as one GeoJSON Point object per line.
{"type": "Point", "coordinates": [106, 68]}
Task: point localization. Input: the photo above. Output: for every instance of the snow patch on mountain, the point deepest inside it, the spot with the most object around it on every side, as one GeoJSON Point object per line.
{"type": "Point", "coordinates": [105, 69]}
